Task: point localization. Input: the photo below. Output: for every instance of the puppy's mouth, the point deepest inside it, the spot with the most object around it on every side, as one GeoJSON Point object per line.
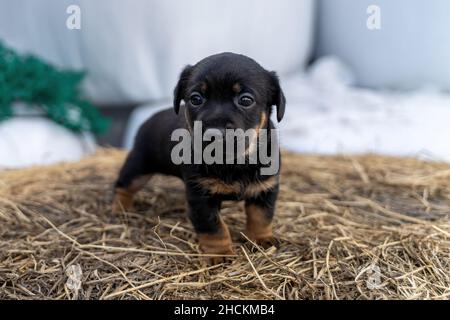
{"type": "Point", "coordinates": [222, 136]}
{"type": "Point", "coordinates": [230, 143]}
{"type": "Point", "coordinates": [223, 142]}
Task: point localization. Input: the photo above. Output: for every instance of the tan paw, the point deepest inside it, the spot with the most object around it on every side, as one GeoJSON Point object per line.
{"type": "Point", "coordinates": [227, 257]}
{"type": "Point", "coordinates": [218, 243]}
{"type": "Point", "coordinates": [264, 241]}
{"type": "Point", "coordinates": [122, 201]}
{"type": "Point", "coordinates": [267, 242]}
{"type": "Point", "coordinates": [117, 207]}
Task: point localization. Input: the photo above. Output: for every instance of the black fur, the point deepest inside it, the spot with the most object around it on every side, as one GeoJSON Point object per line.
{"type": "Point", "coordinates": [214, 78]}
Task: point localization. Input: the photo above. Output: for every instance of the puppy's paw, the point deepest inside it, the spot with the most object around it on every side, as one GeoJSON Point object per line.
{"type": "Point", "coordinates": [218, 259]}
{"type": "Point", "coordinates": [267, 242]}
{"type": "Point", "coordinates": [264, 242]}
{"type": "Point", "coordinates": [122, 201]}
{"type": "Point", "coordinates": [118, 207]}
{"type": "Point", "coordinates": [216, 244]}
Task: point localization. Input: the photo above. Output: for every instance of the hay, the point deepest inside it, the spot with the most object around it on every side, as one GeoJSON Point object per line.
{"type": "Point", "coordinates": [366, 227]}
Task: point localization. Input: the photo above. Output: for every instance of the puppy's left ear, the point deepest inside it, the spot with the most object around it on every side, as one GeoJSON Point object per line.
{"type": "Point", "coordinates": [278, 98]}
{"type": "Point", "coordinates": [180, 89]}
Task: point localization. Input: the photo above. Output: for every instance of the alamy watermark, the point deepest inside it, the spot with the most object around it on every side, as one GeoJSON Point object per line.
{"type": "Point", "coordinates": [372, 274]}
{"type": "Point", "coordinates": [374, 19]}
{"type": "Point", "coordinates": [73, 21]}
{"type": "Point", "coordinates": [227, 147]}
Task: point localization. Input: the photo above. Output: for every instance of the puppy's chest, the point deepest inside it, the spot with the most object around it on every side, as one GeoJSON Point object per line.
{"type": "Point", "coordinates": [239, 189]}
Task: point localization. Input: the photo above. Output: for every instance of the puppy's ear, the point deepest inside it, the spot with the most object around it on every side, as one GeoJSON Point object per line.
{"type": "Point", "coordinates": [278, 98]}
{"type": "Point", "coordinates": [180, 89]}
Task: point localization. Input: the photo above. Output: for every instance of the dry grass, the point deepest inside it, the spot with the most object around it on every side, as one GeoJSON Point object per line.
{"type": "Point", "coordinates": [340, 221]}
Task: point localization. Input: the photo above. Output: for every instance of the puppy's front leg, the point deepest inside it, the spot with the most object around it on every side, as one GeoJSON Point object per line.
{"type": "Point", "coordinates": [213, 234]}
{"type": "Point", "coordinates": [260, 211]}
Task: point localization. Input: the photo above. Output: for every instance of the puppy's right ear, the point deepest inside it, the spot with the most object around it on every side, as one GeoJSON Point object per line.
{"type": "Point", "coordinates": [180, 89]}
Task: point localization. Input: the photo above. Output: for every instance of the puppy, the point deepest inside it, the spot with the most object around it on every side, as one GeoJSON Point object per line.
{"type": "Point", "coordinates": [223, 92]}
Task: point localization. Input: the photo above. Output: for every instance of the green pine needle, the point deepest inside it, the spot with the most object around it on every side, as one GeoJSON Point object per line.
{"type": "Point", "coordinates": [28, 79]}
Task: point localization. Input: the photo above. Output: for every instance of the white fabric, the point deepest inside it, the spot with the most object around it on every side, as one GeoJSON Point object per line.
{"type": "Point", "coordinates": [27, 141]}
{"type": "Point", "coordinates": [326, 114]}
{"type": "Point", "coordinates": [411, 49]}
{"type": "Point", "coordinates": [134, 50]}
{"type": "Point", "coordinates": [138, 117]}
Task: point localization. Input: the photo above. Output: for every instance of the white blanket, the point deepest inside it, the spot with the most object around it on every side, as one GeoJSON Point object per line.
{"type": "Point", "coordinates": [326, 114]}
{"type": "Point", "coordinates": [134, 50]}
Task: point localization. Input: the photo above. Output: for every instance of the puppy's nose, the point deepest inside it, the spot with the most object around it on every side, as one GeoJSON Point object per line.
{"type": "Point", "coordinates": [218, 132]}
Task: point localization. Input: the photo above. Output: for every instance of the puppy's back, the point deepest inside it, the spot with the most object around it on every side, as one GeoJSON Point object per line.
{"type": "Point", "coordinates": [153, 140]}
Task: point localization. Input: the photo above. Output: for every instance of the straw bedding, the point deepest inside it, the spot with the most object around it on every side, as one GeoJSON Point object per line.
{"type": "Point", "coordinates": [366, 227]}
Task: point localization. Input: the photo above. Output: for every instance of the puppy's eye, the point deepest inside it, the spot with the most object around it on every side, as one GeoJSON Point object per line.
{"type": "Point", "coordinates": [196, 99]}
{"type": "Point", "coordinates": [246, 100]}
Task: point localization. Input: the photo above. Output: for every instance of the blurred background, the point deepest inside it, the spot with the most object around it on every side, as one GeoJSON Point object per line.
{"type": "Point", "coordinates": [359, 75]}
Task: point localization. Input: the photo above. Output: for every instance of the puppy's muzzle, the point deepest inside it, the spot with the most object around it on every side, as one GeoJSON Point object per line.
{"type": "Point", "coordinates": [217, 133]}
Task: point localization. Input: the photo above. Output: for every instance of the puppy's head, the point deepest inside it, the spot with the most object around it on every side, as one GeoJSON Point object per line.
{"type": "Point", "coordinates": [229, 91]}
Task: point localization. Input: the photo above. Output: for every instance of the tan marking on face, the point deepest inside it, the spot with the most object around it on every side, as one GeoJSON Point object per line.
{"type": "Point", "coordinates": [203, 87]}
{"type": "Point", "coordinates": [263, 121]}
{"type": "Point", "coordinates": [187, 117]}
{"type": "Point", "coordinates": [256, 188]}
{"type": "Point", "coordinates": [258, 226]}
{"type": "Point", "coordinates": [216, 243]}
{"type": "Point", "coordinates": [254, 142]}
{"type": "Point", "coordinates": [237, 88]}
{"type": "Point", "coordinates": [123, 197]}
{"type": "Point", "coordinates": [217, 186]}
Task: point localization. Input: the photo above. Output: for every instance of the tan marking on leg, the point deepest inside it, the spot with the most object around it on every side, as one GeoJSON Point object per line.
{"type": "Point", "coordinates": [123, 200]}
{"type": "Point", "coordinates": [219, 243]}
{"type": "Point", "coordinates": [259, 228]}
{"type": "Point", "coordinates": [256, 188]}
{"type": "Point", "coordinates": [123, 197]}
{"type": "Point", "coordinates": [262, 122]}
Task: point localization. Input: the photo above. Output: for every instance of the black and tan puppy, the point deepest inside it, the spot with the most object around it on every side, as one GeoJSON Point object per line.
{"type": "Point", "coordinates": [224, 91]}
